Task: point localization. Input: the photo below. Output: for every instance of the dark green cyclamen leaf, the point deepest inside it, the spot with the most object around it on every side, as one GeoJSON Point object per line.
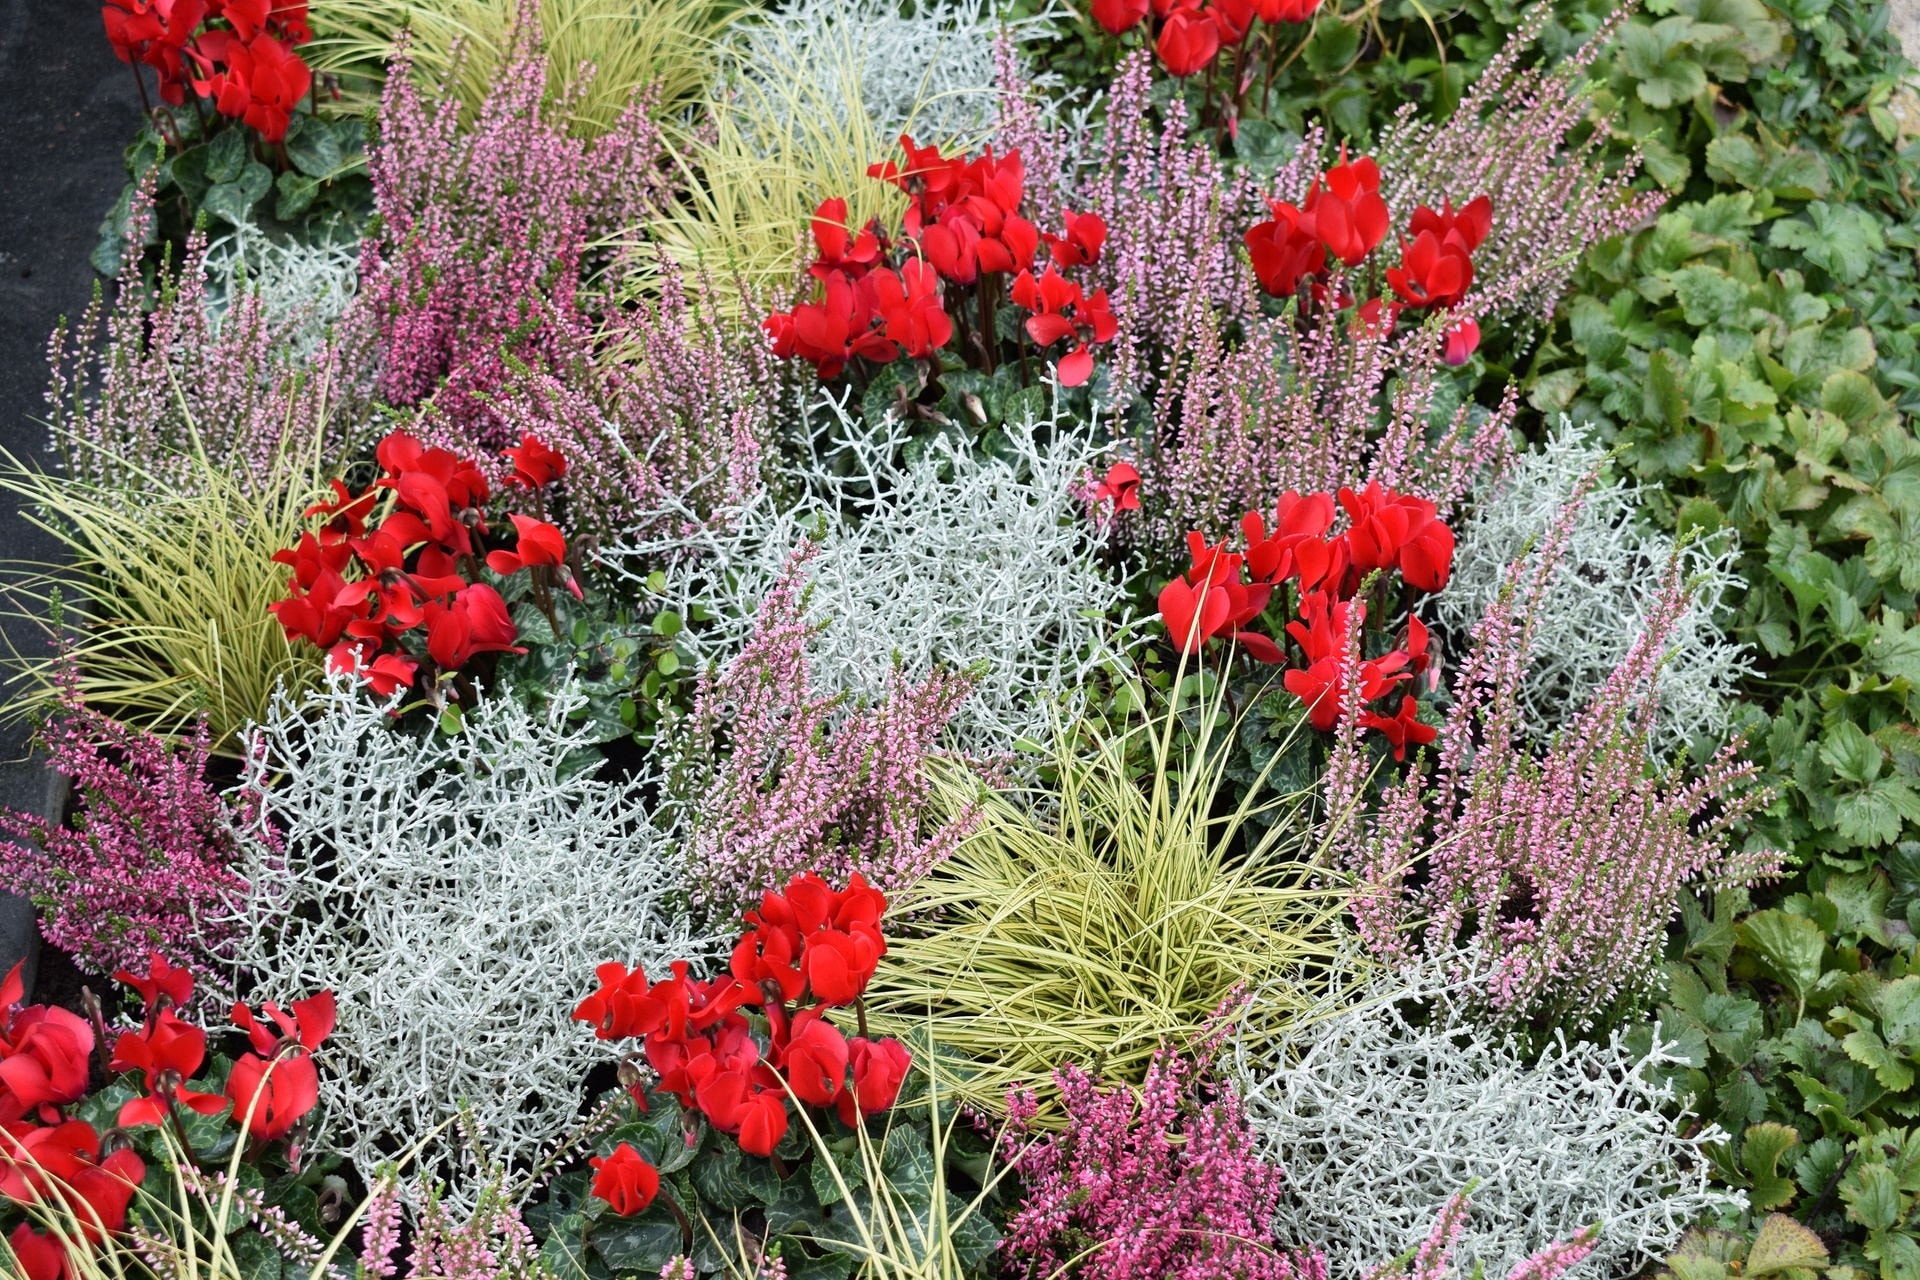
{"type": "Point", "coordinates": [253, 1257]}
{"type": "Point", "coordinates": [314, 147]}
{"type": "Point", "coordinates": [189, 172]}
{"type": "Point", "coordinates": [796, 1210]}
{"type": "Point", "coordinates": [227, 155]}
{"type": "Point", "coordinates": [233, 201]}
{"type": "Point", "coordinates": [973, 1233]}
{"type": "Point", "coordinates": [295, 194]}
{"type": "Point", "coordinates": [644, 1243]}
{"type": "Point", "coordinates": [834, 1266]}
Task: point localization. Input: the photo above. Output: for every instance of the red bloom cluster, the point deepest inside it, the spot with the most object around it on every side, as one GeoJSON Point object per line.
{"type": "Point", "coordinates": [50, 1159]}
{"type": "Point", "coordinates": [1344, 218]}
{"type": "Point", "coordinates": [1062, 311]}
{"type": "Point", "coordinates": [43, 1056]}
{"type": "Point", "coordinates": [1386, 532]}
{"type": "Point", "coordinates": [273, 1088]}
{"type": "Point", "coordinates": [45, 1158]}
{"type": "Point", "coordinates": [60, 1168]}
{"type": "Point", "coordinates": [626, 1180]}
{"type": "Point", "coordinates": [246, 65]}
{"type": "Point", "coordinates": [811, 949]}
{"type": "Point", "coordinates": [1119, 489]}
{"type": "Point", "coordinates": [1192, 32]}
{"type": "Point", "coordinates": [417, 565]}
{"type": "Point", "coordinates": [880, 299]}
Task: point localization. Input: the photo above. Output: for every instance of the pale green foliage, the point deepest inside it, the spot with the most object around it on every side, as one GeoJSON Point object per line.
{"type": "Point", "coordinates": [1104, 915]}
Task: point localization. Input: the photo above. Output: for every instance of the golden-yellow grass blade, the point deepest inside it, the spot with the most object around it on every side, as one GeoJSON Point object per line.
{"type": "Point", "coordinates": [164, 597]}
{"type": "Point", "coordinates": [632, 45]}
{"type": "Point", "coordinates": [1109, 918]}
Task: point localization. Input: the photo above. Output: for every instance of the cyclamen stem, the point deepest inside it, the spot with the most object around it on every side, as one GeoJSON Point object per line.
{"type": "Point", "coordinates": [100, 1039]}
{"type": "Point", "coordinates": [860, 1015]}
{"type": "Point", "coordinates": [146, 103]}
{"type": "Point", "coordinates": [679, 1216]}
{"type": "Point", "coordinates": [180, 1128]}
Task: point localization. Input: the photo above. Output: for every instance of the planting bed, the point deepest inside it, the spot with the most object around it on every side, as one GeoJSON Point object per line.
{"type": "Point", "coordinates": [1242, 639]}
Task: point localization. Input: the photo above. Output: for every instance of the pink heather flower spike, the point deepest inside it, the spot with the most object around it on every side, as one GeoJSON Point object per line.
{"type": "Point", "coordinates": [147, 862]}
{"type": "Point", "coordinates": [848, 789]}
{"type": "Point", "coordinates": [1556, 872]}
{"type": "Point", "coordinates": [1164, 1183]}
{"type": "Point", "coordinates": [1553, 1261]}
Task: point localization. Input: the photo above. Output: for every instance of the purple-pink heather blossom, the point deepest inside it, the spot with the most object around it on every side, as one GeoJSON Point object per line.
{"type": "Point", "coordinates": [1308, 410]}
{"type": "Point", "coordinates": [1166, 1184]}
{"type": "Point", "coordinates": [145, 862]}
{"type": "Point", "coordinates": [484, 244]}
{"type": "Point", "coordinates": [136, 388]}
{"type": "Point", "coordinates": [663, 409]}
{"type": "Point", "coordinates": [1553, 875]}
{"type": "Point", "coordinates": [1432, 1259]}
{"type": "Point", "coordinates": [781, 779]}
{"type": "Point", "coordinates": [1529, 139]}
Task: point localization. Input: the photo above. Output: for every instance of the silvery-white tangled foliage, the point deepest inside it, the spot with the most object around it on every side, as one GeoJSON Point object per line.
{"type": "Point", "coordinates": [925, 67]}
{"type": "Point", "coordinates": [1378, 1117]}
{"type": "Point", "coordinates": [455, 893]}
{"type": "Point", "coordinates": [952, 558]}
{"type": "Point", "coordinates": [303, 288]}
{"type": "Point", "coordinates": [1602, 592]}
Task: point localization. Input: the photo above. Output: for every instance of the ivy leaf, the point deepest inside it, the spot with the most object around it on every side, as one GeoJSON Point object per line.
{"type": "Point", "coordinates": [1842, 239]}
{"type": "Point", "coordinates": [1789, 946]}
{"type": "Point", "coordinates": [1760, 1152]}
{"type": "Point", "coordinates": [1784, 1245]}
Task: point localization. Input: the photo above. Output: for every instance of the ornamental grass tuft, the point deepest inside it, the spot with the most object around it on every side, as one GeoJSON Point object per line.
{"type": "Point", "coordinates": [599, 54]}
{"type": "Point", "coordinates": [1098, 919]}
{"type": "Point", "coordinates": [165, 598]}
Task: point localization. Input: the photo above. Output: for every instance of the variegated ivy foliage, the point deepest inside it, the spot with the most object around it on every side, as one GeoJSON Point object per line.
{"type": "Point", "coordinates": [1604, 591]}
{"type": "Point", "coordinates": [453, 892]}
{"type": "Point", "coordinates": [952, 558]}
{"type": "Point", "coordinates": [1389, 1105]}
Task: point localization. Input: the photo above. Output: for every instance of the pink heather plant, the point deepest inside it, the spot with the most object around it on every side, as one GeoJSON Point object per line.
{"type": "Point", "coordinates": [145, 863]}
{"type": "Point", "coordinates": [133, 390]}
{"type": "Point", "coordinates": [1174, 213]}
{"type": "Point", "coordinates": [1286, 409]}
{"type": "Point", "coordinates": [1433, 1258]}
{"type": "Point", "coordinates": [777, 780]}
{"type": "Point", "coordinates": [380, 1232]}
{"type": "Point", "coordinates": [486, 234]}
{"type": "Point", "coordinates": [1512, 138]}
{"type": "Point", "coordinates": [490, 1243]}
{"type": "Point", "coordinates": [1558, 873]}
{"type": "Point", "coordinates": [667, 407]}
{"type": "Point", "coordinates": [1164, 1184]}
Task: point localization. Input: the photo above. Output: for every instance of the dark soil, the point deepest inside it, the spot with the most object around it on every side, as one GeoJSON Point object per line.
{"type": "Point", "coordinates": [70, 107]}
